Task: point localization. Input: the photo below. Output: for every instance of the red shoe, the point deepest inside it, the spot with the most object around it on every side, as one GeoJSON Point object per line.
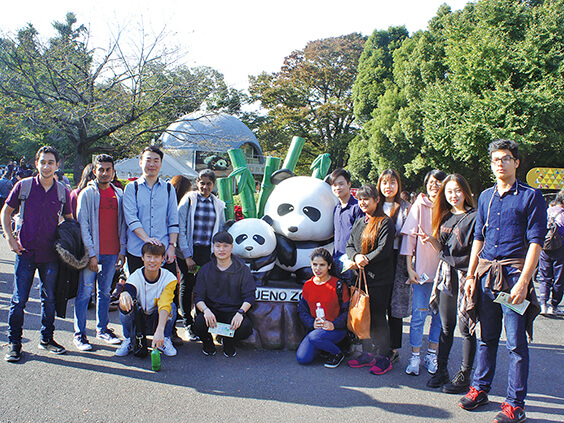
{"type": "Point", "coordinates": [364, 360]}
{"type": "Point", "coordinates": [473, 399]}
{"type": "Point", "coordinates": [383, 365]}
{"type": "Point", "coordinates": [510, 414]}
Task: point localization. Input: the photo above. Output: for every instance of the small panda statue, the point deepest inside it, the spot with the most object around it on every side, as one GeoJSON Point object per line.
{"type": "Point", "coordinates": [301, 209]}
{"type": "Point", "coordinates": [254, 241]}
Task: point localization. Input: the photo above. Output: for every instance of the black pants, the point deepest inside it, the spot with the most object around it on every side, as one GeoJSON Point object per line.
{"type": "Point", "coordinates": [243, 332]}
{"type": "Point", "coordinates": [379, 341]}
{"type": "Point", "coordinates": [448, 311]}
{"type": "Point", "coordinates": [201, 256]}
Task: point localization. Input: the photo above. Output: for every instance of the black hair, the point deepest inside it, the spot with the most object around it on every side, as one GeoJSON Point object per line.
{"type": "Point", "coordinates": [104, 158]}
{"type": "Point", "coordinates": [47, 149]}
{"type": "Point", "coordinates": [87, 176]}
{"type": "Point", "coordinates": [439, 175]}
{"type": "Point", "coordinates": [502, 144]}
{"type": "Point", "coordinates": [340, 172]}
{"type": "Point", "coordinates": [207, 173]}
{"type": "Point", "coordinates": [60, 175]}
{"type": "Point", "coordinates": [153, 149]}
{"type": "Point", "coordinates": [153, 249]}
{"type": "Point", "coordinates": [325, 255]}
{"type": "Point", "coordinates": [223, 238]}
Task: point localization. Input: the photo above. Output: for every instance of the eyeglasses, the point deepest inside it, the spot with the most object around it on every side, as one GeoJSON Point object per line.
{"type": "Point", "coordinates": [434, 182]}
{"type": "Point", "coordinates": [505, 159]}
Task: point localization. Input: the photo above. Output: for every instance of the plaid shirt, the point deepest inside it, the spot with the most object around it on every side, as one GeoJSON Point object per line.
{"type": "Point", "coordinates": [204, 219]}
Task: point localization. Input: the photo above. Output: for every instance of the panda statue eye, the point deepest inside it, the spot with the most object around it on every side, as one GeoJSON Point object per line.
{"type": "Point", "coordinates": [285, 209]}
{"type": "Point", "coordinates": [241, 238]}
{"type": "Point", "coordinates": [259, 239]}
{"type": "Point", "coordinates": [312, 213]}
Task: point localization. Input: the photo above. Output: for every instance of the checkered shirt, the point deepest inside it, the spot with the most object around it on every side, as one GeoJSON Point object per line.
{"type": "Point", "coordinates": [204, 220]}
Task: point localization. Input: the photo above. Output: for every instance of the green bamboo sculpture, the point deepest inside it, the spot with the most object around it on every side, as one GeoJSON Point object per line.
{"type": "Point", "coordinates": [245, 182]}
{"type": "Point", "coordinates": [272, 165]}
{"type": "Point", "coordinates": [293, 153]}
{"type": "Point", "coordinates": [225, 191]}
{"type": "Point", "coordinates": [321, 166]}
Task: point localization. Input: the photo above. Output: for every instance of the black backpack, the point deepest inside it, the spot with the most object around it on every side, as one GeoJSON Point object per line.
{"type": "Point", "coordinates": [553, 238]}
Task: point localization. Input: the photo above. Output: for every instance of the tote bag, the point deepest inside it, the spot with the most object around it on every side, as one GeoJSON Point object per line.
{"type": "Point", "coordinates": [358, 320]}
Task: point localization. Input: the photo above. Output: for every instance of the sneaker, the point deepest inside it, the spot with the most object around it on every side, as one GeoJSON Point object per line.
{"type": "Point", "coordinates": [52, 346]}
{"type": "Point", "coordinates": [334, 360]}
{"type": "Point", "coordinates": [125, 348]}
{"type": "Point", "coordinates": [191, 334]}
{"type": "Point", "coordinates": [510, 414]}
{"type": "Point", "coordinates": [430, 362]}
{"type": "Point", "coordinates": [229, 351]}
{"type": "Point", "coordinates": [413, 366]}
{"type": "Point", "coordinates": [167, 348]}
{"type": "Point", "coordinates": [363, 360]}
{"type": "Point", "coordinates": [554, 311]}
{"type": "Point", "coordinates": [460, 383]}
{"type": "Point", "coordinates": [382, 365]}
{"type": "Point", "coordinates": [209, 348]}
{"type": "Point", "coordinates": [473, 399]}
{"type": "Point", "coordinates": [109, 336]}
{"type": "Point", "coordinates": [14, 354]}
{"type": "Point", "coordinates": [81, 342]}
{"type": "Point", "coordinates": [439, 378]}
{"type": "Point", "coordinates": [394, 357]}
{"type": "Point", "coordinates": [544, 309]}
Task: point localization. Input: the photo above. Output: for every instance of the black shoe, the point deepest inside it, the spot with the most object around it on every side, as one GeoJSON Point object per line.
{"type": "Point", "coordinates": [439, 378]}
{"type": "Point", "coordinates": [473, 399]}
{"type": "Point", "coordinates": [52, 346]}
{"type": "Point", "coordinates": [334, 360]}
{"type": "Point", "coordinates": [510, 414]}
{"type": "Point", "coordinates": [209, 348]}
{"type": "Point", "coordinates": [229, 352]}
{"type": "Point", "coordinates": [14, 354]}
{"type": "Point", "coordinates": [460, 383]}
{"type": "Point", "coordinates": [140, 348]}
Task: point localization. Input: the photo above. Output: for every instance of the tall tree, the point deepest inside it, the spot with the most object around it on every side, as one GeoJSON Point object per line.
{"type": "Point", "coordinates": [311, 97]}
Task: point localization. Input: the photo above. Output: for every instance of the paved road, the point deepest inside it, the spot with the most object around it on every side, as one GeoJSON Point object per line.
{"type": "Point", "coordinates": [255, 386]}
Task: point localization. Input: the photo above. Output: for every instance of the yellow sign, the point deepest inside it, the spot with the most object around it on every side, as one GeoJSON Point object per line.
{"type": "Point", "coordinates": [546, 177]}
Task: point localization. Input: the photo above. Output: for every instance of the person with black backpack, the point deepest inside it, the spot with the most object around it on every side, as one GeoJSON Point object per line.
{"type": "Point", "coordinates": [551, 262]}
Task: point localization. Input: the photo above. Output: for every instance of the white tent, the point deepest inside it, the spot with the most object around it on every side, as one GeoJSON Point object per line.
{"type": "Point", "coordinates": [172, 166]}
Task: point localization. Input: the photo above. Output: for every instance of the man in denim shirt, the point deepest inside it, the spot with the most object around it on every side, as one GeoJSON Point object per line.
{"type": "Point", "coordinates": [508, 239]}
{"type": "Point", "coordinates": [150, 210]}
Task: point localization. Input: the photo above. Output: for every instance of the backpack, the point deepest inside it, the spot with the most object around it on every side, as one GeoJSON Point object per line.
{"type": "Point", "coordinates": [553, 238]}
{"type": "Point", "coordinates": [25, 189]}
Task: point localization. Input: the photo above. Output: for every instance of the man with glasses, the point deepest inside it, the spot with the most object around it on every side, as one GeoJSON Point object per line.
{"type": "Point", "coordinates": [508, 239]}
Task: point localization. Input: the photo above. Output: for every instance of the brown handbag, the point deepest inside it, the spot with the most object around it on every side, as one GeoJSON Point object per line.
{"type": "Point", "coordinates": [358, 320]}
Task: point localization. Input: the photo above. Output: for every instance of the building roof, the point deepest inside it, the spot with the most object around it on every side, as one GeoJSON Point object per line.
{"type": "Point", "coordinates": [207, 131]}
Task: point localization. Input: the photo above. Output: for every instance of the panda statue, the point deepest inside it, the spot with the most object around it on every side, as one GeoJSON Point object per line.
{"type": "Point", "coordinates": [301, 209]}
{"type": "Point", "coordinates": [254, 241]}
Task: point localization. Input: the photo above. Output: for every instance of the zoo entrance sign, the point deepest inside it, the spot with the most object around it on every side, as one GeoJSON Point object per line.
{"type": "Point", "coordinates": [281, 295]}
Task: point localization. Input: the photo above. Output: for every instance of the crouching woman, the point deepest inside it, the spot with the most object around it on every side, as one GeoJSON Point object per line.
{"type": "Point", "coordinates": [323, 310]}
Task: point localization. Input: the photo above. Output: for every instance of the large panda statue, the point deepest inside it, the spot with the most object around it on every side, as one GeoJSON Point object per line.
{"type": "Point", "coordinates": [254, 241]}
{"type": "Point", "coordinates": [301, 209]}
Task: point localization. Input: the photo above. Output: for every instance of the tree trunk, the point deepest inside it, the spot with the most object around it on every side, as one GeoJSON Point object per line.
{"type": "Point", "coordinates": [81, 159]}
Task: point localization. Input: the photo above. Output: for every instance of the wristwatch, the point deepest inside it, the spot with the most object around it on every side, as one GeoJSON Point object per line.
{"type": "Point", "coordinates": [241, 312]}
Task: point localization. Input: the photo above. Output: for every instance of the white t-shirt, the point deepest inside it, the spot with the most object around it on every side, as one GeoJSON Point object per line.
{"type": "Point", "coordinates": [150, 295]}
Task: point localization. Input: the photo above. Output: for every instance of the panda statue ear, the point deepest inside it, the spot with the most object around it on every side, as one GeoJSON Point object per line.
{"type": "Point", "coordinates": [268, 219]}
{"type": "Point", "coordinates": [280, 175]}
{"type": "Point", "coordinates": [228, 224]}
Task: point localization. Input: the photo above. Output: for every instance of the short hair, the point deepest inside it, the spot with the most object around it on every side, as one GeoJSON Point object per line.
{"type": "Point", "coordinates": [560, 197]}
{"type": "Point", "coordinates": [153, 249]}
{"type": "Point", "coordinates": [207, 173]}
{"type": "Point", "coordinates": [340, 172]}
{"type": "Point", "coordinates": [103, 158]}
{"type": "Point", "coordinates": [223, 237]}
{"type": "Point", "coordinates": [439, 175]}
{"type": "Point", "coordinates": [153, 149]}
{"type": "Point", "coordinates": [47, 149]}
{"type": "Point", "coordinates": [502, 144]}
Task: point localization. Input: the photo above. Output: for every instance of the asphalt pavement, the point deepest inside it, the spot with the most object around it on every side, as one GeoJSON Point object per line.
{"type": "Point", "coordinates": [254, 386]}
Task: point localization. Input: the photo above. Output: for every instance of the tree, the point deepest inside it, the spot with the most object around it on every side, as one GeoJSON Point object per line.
{"type": "Point", "coordinates": [311, 97]}
{"type": "Point", "coordinates": [88, 101]}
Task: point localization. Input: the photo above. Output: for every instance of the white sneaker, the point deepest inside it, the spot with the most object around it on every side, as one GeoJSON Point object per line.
{"type": "Point", "coordinates": [430, 362]}
{"type": "Point", "coordinates": [413, 367]}
{"type": "Point", "coordinates": [544, 309]}
{"type": "Point", "coordinates": [554, 311]}
{"type": "Point", "coordinates": [167, 348]}
{"type": "Point", "coordinates": [124, 348]}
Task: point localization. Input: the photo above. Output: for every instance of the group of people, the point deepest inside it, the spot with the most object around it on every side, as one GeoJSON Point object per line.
{"type": "Point", "coordinates": [443, 255]}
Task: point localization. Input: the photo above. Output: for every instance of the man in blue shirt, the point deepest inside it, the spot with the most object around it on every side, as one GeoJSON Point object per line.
{"type": "Point", "coordinates": [150, 211]}
{"type": "Point", "coordinates": [344, 216]}
{"type": "Point", "coordinates": [508, 239]}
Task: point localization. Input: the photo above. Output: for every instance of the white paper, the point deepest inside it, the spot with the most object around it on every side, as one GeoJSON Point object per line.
{"type": "Point", "coordinates": [503, 298]}
{"type": "Point", "coordinates": [222, 329]}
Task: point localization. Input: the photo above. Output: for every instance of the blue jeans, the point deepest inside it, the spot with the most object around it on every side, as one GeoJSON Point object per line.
{"type": "Point", "coordinates": [491, 317]}
{"type": "Point", "coordinates": [85, 287]}
{"type": "Point", "coordinates": [23, 280]}
{"type": "Point", "coordinates": [551, 277]}
{"type": "Point", "coordinates": [319, 339]}
{"type": "Point", "coordinates": [151, 321]}
{"type": "Point", "coordinates": [419, 312]}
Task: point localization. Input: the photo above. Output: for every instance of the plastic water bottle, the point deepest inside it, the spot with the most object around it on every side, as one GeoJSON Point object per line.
{"type": "Point", "coordinates": [319, 312]}
{"type": "Point", "coordinates": [156, 360]}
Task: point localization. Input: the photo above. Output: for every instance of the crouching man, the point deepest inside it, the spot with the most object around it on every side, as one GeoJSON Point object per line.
{"type": "Point", "coordinates": [224, 292]}
{"type": "Point", "coordinates": [146, 305]}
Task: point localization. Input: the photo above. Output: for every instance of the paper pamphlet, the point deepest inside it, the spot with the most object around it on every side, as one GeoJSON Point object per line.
{"type": "Point", "coordinates": [222, 329]}
{"type": "Point", "coordinates": [503, 298]}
